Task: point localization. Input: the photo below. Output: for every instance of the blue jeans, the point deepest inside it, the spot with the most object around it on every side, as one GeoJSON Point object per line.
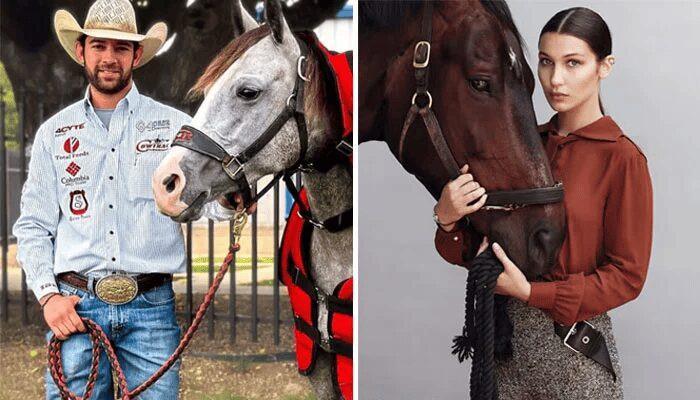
{"type": "Point", "coordinates": [144, 333]}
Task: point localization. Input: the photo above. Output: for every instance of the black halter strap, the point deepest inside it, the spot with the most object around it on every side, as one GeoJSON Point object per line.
{"type": "Point", "coordinates": [421, 105]}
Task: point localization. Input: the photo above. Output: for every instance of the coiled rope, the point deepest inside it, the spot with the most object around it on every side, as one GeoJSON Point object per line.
{"type": "Point", "coordinates": [487, 330]}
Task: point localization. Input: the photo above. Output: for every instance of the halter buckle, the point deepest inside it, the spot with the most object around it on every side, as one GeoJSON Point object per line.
{"type": "Point", "coordinates": [292, 97]}
{"type": "Point", "coordinates": [301, 61]}
{"type": "Point", "coordinates": [418, 61]}
{"type": "Point", "coordinates": [506, 207]}
{"type": "Point", "coordinates": [226, 166]}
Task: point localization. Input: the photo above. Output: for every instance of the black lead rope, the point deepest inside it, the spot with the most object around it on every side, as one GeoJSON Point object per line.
{"type": "Point", "coordinates": [487, 330]}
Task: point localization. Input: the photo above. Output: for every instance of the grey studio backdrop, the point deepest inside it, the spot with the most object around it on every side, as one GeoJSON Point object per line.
{"type": "Point", "coordinates": [411, 302]}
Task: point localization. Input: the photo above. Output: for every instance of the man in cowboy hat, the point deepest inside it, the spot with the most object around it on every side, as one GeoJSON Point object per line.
{"type": "Point", "coordinates": [90, 239]}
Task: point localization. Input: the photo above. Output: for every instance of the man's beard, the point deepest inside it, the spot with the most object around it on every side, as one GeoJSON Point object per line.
{"type": "Point", "coordinates": [104, 87]}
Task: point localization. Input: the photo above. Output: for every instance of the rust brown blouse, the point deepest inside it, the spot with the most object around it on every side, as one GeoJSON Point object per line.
{"type": "Point", "coordinates": [608, 201]}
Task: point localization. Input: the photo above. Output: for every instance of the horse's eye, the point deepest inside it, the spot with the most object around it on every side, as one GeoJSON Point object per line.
{"type": "Point", "coordinates": [480, 85]}
{"type": "Point", "coordinates": [248, 93]}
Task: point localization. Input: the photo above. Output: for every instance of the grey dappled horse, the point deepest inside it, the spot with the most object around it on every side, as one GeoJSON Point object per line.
{"type": "Point", "coordinates": [244, 88]}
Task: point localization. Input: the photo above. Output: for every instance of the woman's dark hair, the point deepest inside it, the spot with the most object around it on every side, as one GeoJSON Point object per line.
{"type": "Point", "coordinates": [585, 24]}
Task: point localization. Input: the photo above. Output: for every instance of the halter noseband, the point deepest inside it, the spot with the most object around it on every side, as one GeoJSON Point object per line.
{"type": "Point", "coordinates": [421, 104]}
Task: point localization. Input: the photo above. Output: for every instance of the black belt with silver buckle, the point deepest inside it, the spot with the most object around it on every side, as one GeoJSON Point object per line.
{"type": "Point", "coordinates": [117, 288]}
{"type": "Point", "coordinates": [582, 337]}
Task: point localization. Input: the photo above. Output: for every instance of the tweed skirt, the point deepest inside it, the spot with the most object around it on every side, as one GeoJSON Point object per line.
{"type": "Point", "coordinates": [542, 368]}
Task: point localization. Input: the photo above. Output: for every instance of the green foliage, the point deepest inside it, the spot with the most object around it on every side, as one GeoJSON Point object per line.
{"type": "Point", "coordinates": [7, 96]}
{"type": "Point", "coordinates": [201, 264]}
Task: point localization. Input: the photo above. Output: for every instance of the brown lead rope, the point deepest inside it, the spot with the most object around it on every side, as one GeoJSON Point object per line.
{"type": "Point", "coordinates": [101, 341]}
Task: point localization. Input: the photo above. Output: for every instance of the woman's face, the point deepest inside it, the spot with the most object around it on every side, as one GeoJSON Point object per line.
{"type": "Point", "coordinates": [568, 70]}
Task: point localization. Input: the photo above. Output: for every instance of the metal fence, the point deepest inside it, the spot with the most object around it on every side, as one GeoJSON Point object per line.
{"type": "Point", "coordinates": [13, 161]}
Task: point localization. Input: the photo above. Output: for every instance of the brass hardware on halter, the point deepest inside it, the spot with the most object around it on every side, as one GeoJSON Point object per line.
{"type": "Point", "coordinates": [239, 221]}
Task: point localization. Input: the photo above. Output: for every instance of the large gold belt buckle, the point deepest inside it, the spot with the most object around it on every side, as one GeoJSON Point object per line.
{"type": "Point", "coordinates": [116, 289]}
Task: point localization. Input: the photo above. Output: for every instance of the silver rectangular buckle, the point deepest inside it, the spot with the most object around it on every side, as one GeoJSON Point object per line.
{"type": "Point", "coordinates": [572, 330]}
{"type": "Point", "coordinates": [226, 166]}
{"type": "Point", "coordinates": [421, 64]}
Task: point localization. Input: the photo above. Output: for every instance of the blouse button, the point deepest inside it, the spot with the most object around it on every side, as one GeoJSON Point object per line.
{"type": "Point", "coordinates": [456, 238]}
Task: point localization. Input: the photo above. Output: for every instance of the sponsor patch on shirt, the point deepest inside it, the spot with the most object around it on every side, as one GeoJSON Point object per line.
{"type": "Point", "coordinates": [68, 128]}
{"type": "Point", "coordinates": [73, 168]}
{"type": "Point", "coordinates": [70, 148]}
{"type": "Point", "coordinates": [143, 126]}
{"type": "Point", "coordinates": [72, 181]}
{"type": "Point", "coordinates": [78, 205]}
{"type": "Point", "coordinates": [156, 144]}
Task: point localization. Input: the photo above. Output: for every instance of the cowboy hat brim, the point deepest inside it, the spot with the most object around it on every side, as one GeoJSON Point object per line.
{"type": "Point", "coordinates": [68, 31]}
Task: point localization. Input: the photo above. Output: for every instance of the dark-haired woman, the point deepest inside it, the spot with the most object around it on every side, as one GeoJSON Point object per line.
{"type": "Point", "coordinates": [608, 201]}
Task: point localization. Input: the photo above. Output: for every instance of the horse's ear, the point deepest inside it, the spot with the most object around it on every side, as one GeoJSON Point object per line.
{"type": "Point", "coordinates": [241, 20]}
{"type": "Point", "coordinates": [276, 21]}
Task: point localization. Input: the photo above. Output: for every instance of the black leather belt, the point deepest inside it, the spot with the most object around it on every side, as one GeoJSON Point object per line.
{"type": "Point", "coordinates": [583, 338]}
{"type": "Point", "coordinates": [115, 288]}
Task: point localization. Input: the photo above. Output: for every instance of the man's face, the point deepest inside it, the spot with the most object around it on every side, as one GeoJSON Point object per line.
{"type": "Point", "coordinates": [108, 63]}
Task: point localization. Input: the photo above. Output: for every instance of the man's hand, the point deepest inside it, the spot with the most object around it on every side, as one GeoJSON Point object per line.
{"type": "Point", "coordinates": [511, 282]}
{"type": "Point", "coordinates": [226, 204]}
{"type": "Point", "coordinates": [455, 198]}
{"type": "Point", "coordinates": [60, 316]}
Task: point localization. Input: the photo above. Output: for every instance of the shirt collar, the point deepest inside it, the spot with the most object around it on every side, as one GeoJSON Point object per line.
{"type": "Point", "coordinates": [604, 129]}
{"type": "Point", "coordinates": [131, 98]}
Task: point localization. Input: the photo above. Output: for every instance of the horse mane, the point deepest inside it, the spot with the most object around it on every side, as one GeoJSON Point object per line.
{"type": "Point", "coordinates": [377, 15]}
{"type": "Point", "coordinates": [499, 9]}
{"type": "Point", "coordinates": [226, 57]}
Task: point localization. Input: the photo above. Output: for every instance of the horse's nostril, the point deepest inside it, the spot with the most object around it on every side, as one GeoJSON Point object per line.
{"type": "Point", "coordinates": [170, 183]}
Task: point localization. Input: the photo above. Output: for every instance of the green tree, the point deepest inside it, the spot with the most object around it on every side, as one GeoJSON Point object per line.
{"type": "Point", "coordinates": [7, 96]}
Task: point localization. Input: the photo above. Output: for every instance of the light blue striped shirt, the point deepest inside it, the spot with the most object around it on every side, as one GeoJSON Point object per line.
{"type": "Point", "coordinates": [87, 205]}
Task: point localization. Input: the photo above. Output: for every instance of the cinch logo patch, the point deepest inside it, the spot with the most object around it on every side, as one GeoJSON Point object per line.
{"type": "Point", "coordinates": [67, 128]}
{"type": "Point", "coordinates": [73, 168]}
{"type": "Point", "coordinates": [152, 145]}
{"type": "Point", "coordinates": [78, 202]}
{"type": "Point", "coordinates": [153, 125]}
{"type": "Point", "coordinates": [71, 145]}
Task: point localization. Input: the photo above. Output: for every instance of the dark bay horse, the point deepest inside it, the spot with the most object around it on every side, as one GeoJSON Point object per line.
{"type": "Point", "coordinates": [480, 88]}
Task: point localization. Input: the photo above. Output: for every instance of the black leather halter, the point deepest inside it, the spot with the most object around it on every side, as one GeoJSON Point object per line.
{"type": "Point", "coordinates": [421, 104]}
{"type": "Point", "coordinates": [197, 141]}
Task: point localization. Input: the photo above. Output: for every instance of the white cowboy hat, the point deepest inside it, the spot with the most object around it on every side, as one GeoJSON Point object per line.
{"type": "Point", "coordinates": [109, 19]}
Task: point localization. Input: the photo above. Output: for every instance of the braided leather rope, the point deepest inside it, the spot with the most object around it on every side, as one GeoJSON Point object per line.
{"type": "Point", "coordinates": [477, 339]}
{"type": "Point", "coordinates": [100, 342]}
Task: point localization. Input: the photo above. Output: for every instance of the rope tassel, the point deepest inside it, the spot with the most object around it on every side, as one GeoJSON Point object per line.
{"type": "Point", "coordinates": [481, 324]}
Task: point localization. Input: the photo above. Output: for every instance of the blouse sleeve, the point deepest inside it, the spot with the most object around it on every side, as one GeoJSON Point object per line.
{"type": "Point", "coordinates": [458, 246]}
{"type": "Point", "coordinates": [627, 244]}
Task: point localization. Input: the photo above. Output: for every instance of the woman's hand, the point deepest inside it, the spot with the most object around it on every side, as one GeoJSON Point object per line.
{"type": "Point", "coordinates": [455, 197]}
{"type": "Point", "coordinates": [511, 282]}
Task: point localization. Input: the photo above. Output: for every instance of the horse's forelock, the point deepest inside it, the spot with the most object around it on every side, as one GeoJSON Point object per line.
{"type": "Point", "coordinates": [226, 57]}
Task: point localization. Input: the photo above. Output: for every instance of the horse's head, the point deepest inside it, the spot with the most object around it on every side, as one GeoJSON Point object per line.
{"type": "Point", "coordinates": [481, 91]}
{"type": "Point", "coordinates": [249, 108]}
